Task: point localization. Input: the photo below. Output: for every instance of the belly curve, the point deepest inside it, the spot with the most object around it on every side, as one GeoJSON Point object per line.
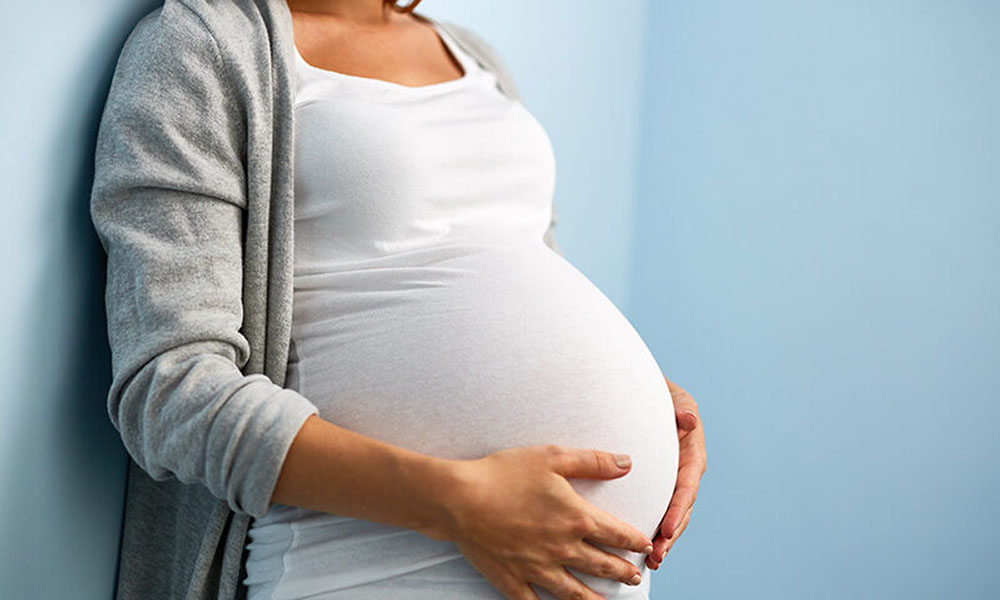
{"type": "Point", "coordinates": [491, 347]}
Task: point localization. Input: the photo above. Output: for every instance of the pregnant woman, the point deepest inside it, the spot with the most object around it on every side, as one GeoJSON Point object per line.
{"type": "Point", "coordinates": [385, 377]}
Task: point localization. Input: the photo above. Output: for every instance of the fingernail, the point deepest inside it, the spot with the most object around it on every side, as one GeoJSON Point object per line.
{"type": "Point", "coordinates": [648, 549]}
{"type": "Point", "coordinates": [636, 579]}
{"type": "Point", "coordinates": [623, 460]}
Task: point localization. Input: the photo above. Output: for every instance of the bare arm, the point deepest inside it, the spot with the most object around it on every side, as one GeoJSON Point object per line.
{"type": "Point", "coordinates": [513, 513]}
{"type": "Point", "coordinates": [336, 470]}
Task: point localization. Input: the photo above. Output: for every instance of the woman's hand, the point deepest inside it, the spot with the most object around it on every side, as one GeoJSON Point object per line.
{"type": "Point", "coordinates": [518, 520]}
{"type": "Point", "coordinates": [690, 467]}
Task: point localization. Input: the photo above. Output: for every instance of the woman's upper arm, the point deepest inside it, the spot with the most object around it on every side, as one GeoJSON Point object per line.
{"type": "Point", "coordinates": [168, 205]}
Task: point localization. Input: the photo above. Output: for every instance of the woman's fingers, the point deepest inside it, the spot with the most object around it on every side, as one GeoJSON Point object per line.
{"type": "Point", "coordinates": [587, 463]}
{"type": "Point", "coordinates": [680, 530]}
{"type": "Point", "coordinates": [597, 562]}
{"type": "Point", "coordinates": [683, 499]}
{"type": "Point", "coordinates": [664, 545]}
{"type": "Point", "coordinates": [609, 530]}
{"type": "Point", "coordinates": [691, 467]}
{"type": "Point", "coordinates": [505, 581]}
{"type": "Point", "coordinates": [554, 522]}
{"type": "Point", "coordinates": [563, 584]}
{"type": "Point", "coordinates": [554, 578]}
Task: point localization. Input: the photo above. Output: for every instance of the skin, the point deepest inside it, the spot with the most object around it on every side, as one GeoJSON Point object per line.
{"type": "Point", "coordinates": [361, 38]}
{"type": "Point", "coordinates": [512, 513]}
{"type": "Point", "coordinates": [691, 465]}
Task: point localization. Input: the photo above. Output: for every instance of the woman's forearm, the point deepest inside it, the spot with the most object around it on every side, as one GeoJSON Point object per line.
{"type": "Point", "coordinates": [336, 470]}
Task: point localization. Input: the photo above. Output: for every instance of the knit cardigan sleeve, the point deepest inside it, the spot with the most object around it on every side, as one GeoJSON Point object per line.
{"type": "Point", "coordinates": [168, 204]}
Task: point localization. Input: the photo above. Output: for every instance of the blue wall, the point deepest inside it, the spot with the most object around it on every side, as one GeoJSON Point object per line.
{"type": "Point", "coordinates": [796, 204]}
{"type": "Point", "coordinates": [817, 259]}
{"type": "Point", "coordinates": [61, 461]}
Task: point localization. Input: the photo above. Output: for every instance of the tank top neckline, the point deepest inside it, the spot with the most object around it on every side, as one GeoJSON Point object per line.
{"type": "Point", "coordinates": [469, 68]}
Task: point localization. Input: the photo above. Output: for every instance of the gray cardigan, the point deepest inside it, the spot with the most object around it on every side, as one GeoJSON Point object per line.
{"type": "Point", "coordinates": [192, 201]}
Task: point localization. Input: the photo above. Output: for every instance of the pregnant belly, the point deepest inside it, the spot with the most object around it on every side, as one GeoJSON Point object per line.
{"type": "Point", "coordinates": [472, 349]}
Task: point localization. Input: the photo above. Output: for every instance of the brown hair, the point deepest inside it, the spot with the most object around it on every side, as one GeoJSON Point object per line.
{"type": "Point", "coordinates": [403, 9]}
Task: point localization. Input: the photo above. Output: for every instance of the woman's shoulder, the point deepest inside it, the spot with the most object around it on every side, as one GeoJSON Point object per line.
{"type": "Point", "coordinates": [195, 55]}
{"type": "Point", "coordinates": [216, 35]}
{"type": "Point", "coordinates": [168, 47]}
{"type": "Point", "coordinates": [171, 29]}
{"type": "Point", "coordinates": [175, 114]}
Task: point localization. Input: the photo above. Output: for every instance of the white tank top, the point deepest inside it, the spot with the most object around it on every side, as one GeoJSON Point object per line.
{"type": "Point", "coordinates": [429, 313]}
